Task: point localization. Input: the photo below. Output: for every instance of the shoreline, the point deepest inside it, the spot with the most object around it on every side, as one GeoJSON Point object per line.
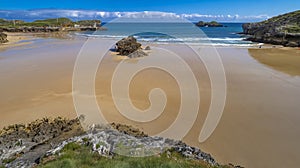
{"type": "Point", "coordinates": [15, 40]}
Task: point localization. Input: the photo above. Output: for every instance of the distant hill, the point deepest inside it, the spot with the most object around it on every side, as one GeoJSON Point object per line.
{"type": "Point", "coordinates": [55, 22]}
{"type": "Point", "coordinates": [280, 30]}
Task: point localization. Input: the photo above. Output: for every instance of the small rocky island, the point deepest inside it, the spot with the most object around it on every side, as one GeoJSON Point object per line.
{"type": "Point", "coordinates": [280, 30]}
{"type": "Point", "coordinates": [209, 24]}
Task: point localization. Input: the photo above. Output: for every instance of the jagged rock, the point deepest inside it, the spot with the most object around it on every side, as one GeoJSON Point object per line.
{"type": "Point", "coordinates": [137, 53]}
{"type": "Point", "coordinates": [17, 146]}
{"type": "Point", "coordinates": [3, 38]}
{"type": "Point", "coordinates": [127, 45]}
{"type": "Point", "coordinates": [108, 142]}
{"type": "Point", "coordinates": [31, 141]}
{"type": "Point", "coordinates": [147, 48]}
{"type": "Point", "coordinates": [279, 30]}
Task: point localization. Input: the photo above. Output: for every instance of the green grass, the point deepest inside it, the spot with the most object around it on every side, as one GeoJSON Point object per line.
{"type": "Point", "coordinates": [74, 155]}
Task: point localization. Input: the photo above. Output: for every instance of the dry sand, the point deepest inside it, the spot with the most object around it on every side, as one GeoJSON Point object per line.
{"type": "Point", "coordinates": [259, 127]}
{"type": "Point", "coordinates": [15, 40]}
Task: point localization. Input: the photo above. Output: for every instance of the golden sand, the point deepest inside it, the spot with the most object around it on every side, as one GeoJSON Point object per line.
{"type": "Point", "coordinates": [259, 127]}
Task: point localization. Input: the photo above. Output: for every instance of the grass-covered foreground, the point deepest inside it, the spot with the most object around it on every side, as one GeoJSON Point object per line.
{"type": "Point", "coordinates": [75, 155]}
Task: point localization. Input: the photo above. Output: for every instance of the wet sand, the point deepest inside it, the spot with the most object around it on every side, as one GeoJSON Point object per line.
{"type": "Point", "coordinates": [286, 60]}
{"type": "Point", "coordinates": [259, 127]}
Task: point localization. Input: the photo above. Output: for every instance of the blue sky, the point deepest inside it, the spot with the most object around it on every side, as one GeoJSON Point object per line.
{"type": "Point", "coordinates": [242, 8]}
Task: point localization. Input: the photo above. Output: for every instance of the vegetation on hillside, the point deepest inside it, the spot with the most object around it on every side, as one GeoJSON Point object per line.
{"type": "Point", "coordinates": [55, 22]}
{"type": "Point", "coordinates": [75, 155]}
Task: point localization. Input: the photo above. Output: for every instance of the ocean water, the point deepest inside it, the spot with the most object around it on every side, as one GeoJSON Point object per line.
{"type": "Point", "coordinates": [174, 33]}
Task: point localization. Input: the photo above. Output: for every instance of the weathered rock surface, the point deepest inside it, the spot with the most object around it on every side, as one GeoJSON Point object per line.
{"type": "Point", "coordinates": [138, 53]}
{"type": "Point", "coordinates": [127, 45]}
{"type": "Point", "coordinates": [281, 30]}
{"type": "Point", "coordinates": [3, 38]}
{"type": "Point", "coordinates": [209, 24]}
{"type": "Point", "coordinates": [23, 145]}
{"type": "Point", "coordinates": [108, 142]}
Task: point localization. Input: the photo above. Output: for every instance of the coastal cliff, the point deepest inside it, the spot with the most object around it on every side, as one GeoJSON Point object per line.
{"type": "Point", "coordinates": [280, 30]}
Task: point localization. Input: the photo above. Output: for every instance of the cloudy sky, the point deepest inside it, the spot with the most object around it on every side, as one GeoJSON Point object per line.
{"type": "Point", "coordinates": [106, 10]}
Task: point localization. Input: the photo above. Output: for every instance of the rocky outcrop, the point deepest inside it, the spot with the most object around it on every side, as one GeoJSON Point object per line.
{"type": "Point", "coordinates": [3, 38]}
{"type": "Point", "coordinates": [28, 145]}
{"type": "Point", "coordinates": [109, 142]}
{"type": "Point", "coordinates": [127, 45]}
{"type": "Point", "coordinates": [22, 145]}
{"type": "Point", "coordinates": [209, 24]}
{"type": "Point", "coordinates": [281, 30]}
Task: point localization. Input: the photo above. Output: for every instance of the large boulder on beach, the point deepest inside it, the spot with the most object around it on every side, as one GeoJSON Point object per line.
{"type": "Point", "coordinates": [127, 45]}
{"type": "Point", "coordinates": [3, 38]}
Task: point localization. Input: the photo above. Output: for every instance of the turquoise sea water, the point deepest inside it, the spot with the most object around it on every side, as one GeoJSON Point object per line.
{"type": "Point", "coordinates": [174, 33]}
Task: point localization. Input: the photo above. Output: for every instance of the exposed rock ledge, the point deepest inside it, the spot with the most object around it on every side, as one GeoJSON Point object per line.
{"type": "Point", "coordinates": [280, 30]}
{"type": "Point", "coordinates": [27, 145]}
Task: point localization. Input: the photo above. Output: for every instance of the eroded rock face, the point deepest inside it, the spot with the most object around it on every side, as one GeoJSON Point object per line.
{"type": "Point", "coordinates": [281, 30]}
{"type": "Point", "coordinates": [3, 38]}
{"type": "Point", "coordinates": [28, 145]}
{"type": "Point", "coordinates": [25, 144]}
{"type": "Point", "coordinates": [127, 45]}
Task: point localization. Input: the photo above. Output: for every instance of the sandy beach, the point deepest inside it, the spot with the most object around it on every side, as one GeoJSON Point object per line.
{"type": "Point", "coordinates": [259, 127]}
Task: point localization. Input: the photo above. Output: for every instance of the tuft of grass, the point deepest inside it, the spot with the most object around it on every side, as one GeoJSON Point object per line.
{"type": "Point", "coordinates": [74, 155]}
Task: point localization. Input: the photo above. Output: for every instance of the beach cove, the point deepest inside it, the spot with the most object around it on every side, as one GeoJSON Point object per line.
{"type": "Point", "coordinates": [258, 128]}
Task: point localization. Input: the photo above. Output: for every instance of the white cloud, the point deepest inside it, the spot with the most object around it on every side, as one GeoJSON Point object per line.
{"type": "Point", "coordinates": [106, 16]}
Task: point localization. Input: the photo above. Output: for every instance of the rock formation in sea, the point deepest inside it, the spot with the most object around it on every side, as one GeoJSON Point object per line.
{"type": "Point", "coordinates": [3, 38]}
{"type": "Point", "coordinates": [209, 24]}
{"type": "Point", "coordinates": [280, 30]}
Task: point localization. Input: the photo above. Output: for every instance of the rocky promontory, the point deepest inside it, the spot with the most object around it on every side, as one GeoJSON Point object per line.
{"type": "Point", "coordinates": [280, 30]}
{"type": "Point", "coordinates": [48, 140]}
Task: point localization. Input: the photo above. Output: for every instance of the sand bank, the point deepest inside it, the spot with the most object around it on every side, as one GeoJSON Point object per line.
{"type": "Point", "coordinates": [286, 60]}
{"type": "Point", "coordinates": [259, 127]}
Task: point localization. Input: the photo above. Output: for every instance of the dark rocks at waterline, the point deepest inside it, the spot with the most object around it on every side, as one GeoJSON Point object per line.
{"type": "Point", "coordinates": [281, 30]}
{"type": "Point", "coordinates": [3, 38]}
{"type": "Point", "coordinates": [127, 46]}
{"type": "Point", "coordinates": [209, 24]}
